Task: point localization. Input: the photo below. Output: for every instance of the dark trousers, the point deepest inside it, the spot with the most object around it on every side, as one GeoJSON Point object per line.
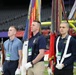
{"type": "Point", "coordinates": [9, 67]}
{"type": "Point", "coordinates": [63, 72]}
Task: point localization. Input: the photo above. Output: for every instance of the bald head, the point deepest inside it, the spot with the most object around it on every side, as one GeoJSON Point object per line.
{"type": "Point", "coordinates": [64, 28]}
{"type": "Point", "coordinates": [65, 24]}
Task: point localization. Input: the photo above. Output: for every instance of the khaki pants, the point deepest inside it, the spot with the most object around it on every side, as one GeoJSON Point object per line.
{"type": "Point", "coordinates": [38, 69]}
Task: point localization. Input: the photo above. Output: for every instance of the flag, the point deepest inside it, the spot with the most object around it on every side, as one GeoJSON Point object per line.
{"type": "Point", "coordinates": [54, 28]}
{"type": "Point", "coordinates": [25, 39]}
{"type": "Point", "coordinates": [27, 27]}
{"type": "Point", "coordinates": [33, 14]}
{"type": "Point", "coordinates": [52, 51]}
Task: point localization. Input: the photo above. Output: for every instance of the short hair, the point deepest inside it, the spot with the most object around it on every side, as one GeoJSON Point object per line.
{"type": "Point", "coordinates": [66, 23]}
{"type": "Point", "coordinates": [14, 27]}
{"type": "Point", "coordinates": [37, 22]}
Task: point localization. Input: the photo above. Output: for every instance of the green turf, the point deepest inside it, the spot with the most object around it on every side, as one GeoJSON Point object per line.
{"type": "Point", "coordinates": [74, 71]}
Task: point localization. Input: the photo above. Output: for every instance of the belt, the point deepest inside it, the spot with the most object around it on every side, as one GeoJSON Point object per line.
{"type": "Point", "coordinates": [11, 60]}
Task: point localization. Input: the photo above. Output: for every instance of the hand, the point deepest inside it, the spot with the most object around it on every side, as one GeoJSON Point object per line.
{"type": "Point", "coordinates": [46, 61]}
{"type": "Point", "coordinates": [46, 57]}
{"type": "Point", "coordinates": [18, 71]}
{"type": "Point", "coordinates": [1, 69]}
{"type": "Point", "coordinates": [49, 71]}
{"type": "Point", "coordinates": [28, 65]}
{"type": "Point", "coordinates": [59, 66]}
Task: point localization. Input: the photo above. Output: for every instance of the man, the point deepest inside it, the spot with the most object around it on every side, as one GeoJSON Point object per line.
{"type": "Point", "coordinates": [65, 51]}
{"type": "Point", "coordinates": [36, 48]}
{"type": "Point", "coordinates": [13, 52]}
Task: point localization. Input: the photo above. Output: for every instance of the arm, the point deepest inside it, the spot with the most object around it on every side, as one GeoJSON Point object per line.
{"type": "Point", "coordinates": [42, 47]}
{"type": "Point", "coordinates": [72, 58]}
{"type": "Point", "coordinates": [20, 58]}
{"type": "Point", "coordinates": [20, 53]}
{"type": "Point", "coordinates": [39, 56]}
{"type": "Point", "coordinates": [37, 59]}
{"type": "Point", "coordinates": [3, 55]}
{"type": "Point", "coordinates": [18, 70]}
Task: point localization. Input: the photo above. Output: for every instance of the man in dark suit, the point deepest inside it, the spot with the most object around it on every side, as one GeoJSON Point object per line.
{"type": "Point", "coordinates": [65, 47]}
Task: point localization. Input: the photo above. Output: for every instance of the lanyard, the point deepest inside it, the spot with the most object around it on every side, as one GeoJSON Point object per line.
{"type": "Point", "coordinates": [65, 50]}
{"type": "Point", "coordinates": [10, 45]}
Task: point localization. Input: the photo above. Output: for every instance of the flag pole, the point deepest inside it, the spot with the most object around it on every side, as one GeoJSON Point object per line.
{"type": "Point", "coordinates": [54, 29]}
{"type": "Point", "coordinates": [26, 39]}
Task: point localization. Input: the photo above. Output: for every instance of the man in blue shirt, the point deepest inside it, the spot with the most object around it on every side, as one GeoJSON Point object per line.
{"type": "Point", "coordinates": [65, 51]}
{"type": "Point", "coordinates": [36, 49]}
{"type": "Point", "coordinates": [13, 52]}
